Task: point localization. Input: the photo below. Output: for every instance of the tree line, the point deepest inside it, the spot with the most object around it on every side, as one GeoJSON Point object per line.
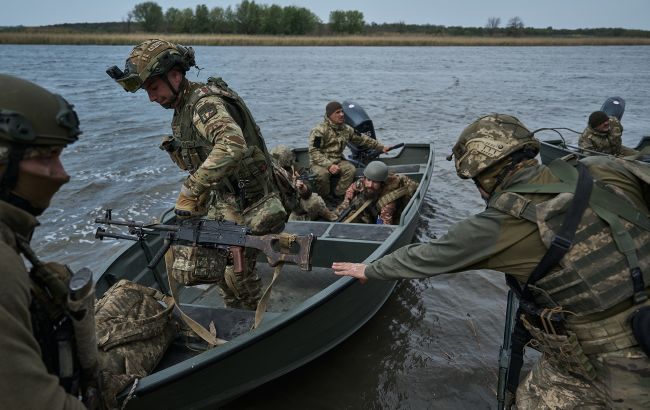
{"type": "Point", "coordinates": [247, 17]}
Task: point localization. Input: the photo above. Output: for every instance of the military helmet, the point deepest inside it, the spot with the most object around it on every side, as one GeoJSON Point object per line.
{"type": "Point", "coordinates": [283, 155]}
{"type": "Point", "coordinates": [487, 141]}
{"type": "Point", "coordinates": [376, 171]}
{"type": "Point", "coordinates": [31, 116]}
{"type": "Point", "coordinates": [150, 59]}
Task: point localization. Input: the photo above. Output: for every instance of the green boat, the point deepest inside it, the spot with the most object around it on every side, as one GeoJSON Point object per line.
{"type": "Point", "coordinates": [308, 313]}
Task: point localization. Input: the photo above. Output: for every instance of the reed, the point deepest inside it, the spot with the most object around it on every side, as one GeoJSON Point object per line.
{"type": "Point", "coordinates": [51, 37]}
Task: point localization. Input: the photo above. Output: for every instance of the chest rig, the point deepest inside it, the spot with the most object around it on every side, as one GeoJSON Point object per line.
{"type": "Point", "coordinates": [253, 178]}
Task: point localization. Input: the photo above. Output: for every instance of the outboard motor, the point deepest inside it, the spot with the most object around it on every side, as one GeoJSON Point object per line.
{"type": "Point", "coordinates": [356, 117]}
{"type": "Point", "coordinates": [614, 107]}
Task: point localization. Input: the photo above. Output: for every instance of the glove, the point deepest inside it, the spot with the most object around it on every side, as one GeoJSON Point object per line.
{"type": "Point", "coordinates": [186, 205]}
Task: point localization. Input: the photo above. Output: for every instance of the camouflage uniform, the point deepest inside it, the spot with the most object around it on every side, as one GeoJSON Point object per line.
{"type": "Point", "coordinates": [393, 197]}
{"type": "Point", "coordinates": [312, 207]}
{"type": "Point", "coordinates": [23, 358]}
{"type": "Point", "coordinates": [326, 144]}
{"type": "Point", "coordinates": [507, 242]}
{"type": "Point", "coordinates": [209, 144]}
{"type": "Point", "coordinates": [609, 142]}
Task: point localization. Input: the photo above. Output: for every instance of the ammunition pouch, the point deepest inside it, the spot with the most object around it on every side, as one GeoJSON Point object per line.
{"type": "Point", "coordinates": [267, 215]}
{"type": "Point", "coordinates": [172, 147]}
{"type": "Point", "coordinates": [195, 265]}
{"type": "Point", "coordinates": [562, 350]}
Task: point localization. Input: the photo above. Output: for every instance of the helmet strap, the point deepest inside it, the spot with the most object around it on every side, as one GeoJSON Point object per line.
{"type": "Point", "coordinates": [175, 92]}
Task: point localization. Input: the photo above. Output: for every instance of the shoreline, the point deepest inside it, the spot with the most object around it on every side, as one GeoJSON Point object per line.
{"type": "Point", "coordinates": [7, 37]}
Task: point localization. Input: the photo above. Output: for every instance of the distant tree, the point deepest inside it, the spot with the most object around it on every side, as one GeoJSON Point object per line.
{"type": "Point", "coordinates": [201, 19]}
{"type": "Point", "coordinates": [150, 14]}
{"type": "Point", "coordinates": [493, 24]}
{"type": "Point", "coordinates": [248, 17]}
{"type": "Point", "coordinates": [299, 20]}
{"type": "Point", "coordinates": [273, 20]}
{"type": "Point", "coordinates": [515, 26]}
{"type": "Point", "coordinates": [346, 21]}
{"type": "Point", "coordinates": [221, 20]}
{"type": "Point", "coordinates": [128, 20]}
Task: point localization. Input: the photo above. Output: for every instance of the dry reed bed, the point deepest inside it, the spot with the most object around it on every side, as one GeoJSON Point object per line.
{"type": "Point", "coordinates": [247, 40]}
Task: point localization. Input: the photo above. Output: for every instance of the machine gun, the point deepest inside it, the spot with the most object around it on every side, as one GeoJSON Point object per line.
{"type": "Point", "coordinates": [215, 234]}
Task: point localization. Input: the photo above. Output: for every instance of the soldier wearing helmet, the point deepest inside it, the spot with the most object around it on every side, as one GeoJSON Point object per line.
{"type": "Point", "coordinates": [39, 366]}
{"type": "Point", "coordinates": [380, 194]}
{"type": "Point", "coordinates": [308, 205]}
{"type": "Point", "coordinates": [326, 144]}
{"type": "Point", "coordinates": [573, 239]}
{"type": "Point", "coordinates": [218, 142]}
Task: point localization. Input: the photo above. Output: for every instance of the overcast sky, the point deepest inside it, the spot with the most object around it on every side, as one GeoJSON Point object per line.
{"type": "Point", "coordinates": [633, 14]}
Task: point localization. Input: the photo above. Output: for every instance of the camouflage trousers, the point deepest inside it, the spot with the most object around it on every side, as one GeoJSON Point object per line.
{"type": "Point", "coordinates": [239, 290]}
{"type": "Point", "coordinates": [323, 183]}
{"type": "Point", "coordinates": [312, 209]}
{"type": "Point", "coordinates": [622, 382]}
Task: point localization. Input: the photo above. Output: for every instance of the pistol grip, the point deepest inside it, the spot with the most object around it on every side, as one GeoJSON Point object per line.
{"type": "Point", "coordinates": [237, 258]}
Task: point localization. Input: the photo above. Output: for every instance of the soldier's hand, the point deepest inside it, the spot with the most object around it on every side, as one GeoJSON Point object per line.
{"type": "Point", "coordinates": [356, 270]}
{"type": "Point", "coordinates": [186, 205]}
{"type": "Point", "coordinates": [386, 149]}
{"type": "Point", "coordinates": [334, 169]}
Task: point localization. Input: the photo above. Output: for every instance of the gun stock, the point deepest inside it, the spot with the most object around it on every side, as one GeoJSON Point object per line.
{"type": "Point", "coordinates": [267, 243]}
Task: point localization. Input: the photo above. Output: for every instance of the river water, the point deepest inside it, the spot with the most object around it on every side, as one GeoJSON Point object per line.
{"type": "Point", "coordinates": [435, 342]}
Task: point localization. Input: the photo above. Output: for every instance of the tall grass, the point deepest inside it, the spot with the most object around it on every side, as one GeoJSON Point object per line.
{"type": "Point", "coordinates": [259, 40]}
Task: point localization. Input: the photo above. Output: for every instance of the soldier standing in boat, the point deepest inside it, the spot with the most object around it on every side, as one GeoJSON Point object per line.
{"type": "Point", "coordinates": [216, 140]}
{"type": "Point", "coordinates": [40, 361]}
{"type": "Point", "coordinates": [380, 196]}
{"type": "Point", "coordinates": [308, 206]}
{"type": "Point", "coordinates": [326, 144]}
{"type": "Point", "coordinates": [576, 252]}
{"type": "Point", "coordinates": [603, 134]}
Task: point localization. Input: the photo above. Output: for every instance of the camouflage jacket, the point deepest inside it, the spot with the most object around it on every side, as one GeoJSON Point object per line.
{"type": "Point", "coordinates": [606, 142]}
{"type": "Point", "coordinates": [209, 143]}
{"type": "Point", "coordinates": [394, 195]}
{"type": "Point", "coordinates": [328, 140]}
{"type": "Point", "coordinates": [22, 364]}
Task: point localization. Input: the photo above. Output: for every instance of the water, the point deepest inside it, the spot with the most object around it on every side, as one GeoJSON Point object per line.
{"type": "Point", "coordinates": [435, 342]}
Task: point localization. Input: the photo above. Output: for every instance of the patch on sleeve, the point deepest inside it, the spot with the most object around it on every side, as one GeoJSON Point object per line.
{"type": "Point", "coordinates": [206, 111]}
{"type": "Point", "coordinates": [317, 142]}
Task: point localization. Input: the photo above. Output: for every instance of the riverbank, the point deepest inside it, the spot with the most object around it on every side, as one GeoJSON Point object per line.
{"type": "Point", "coordinates": [259, 40]}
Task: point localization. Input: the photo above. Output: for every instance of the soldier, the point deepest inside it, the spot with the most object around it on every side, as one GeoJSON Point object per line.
{"type": "Point", "coordinates": [603, 134]}
{"type": "Point", "coordinates": [217, 141]}
{"type": "Point", "coordinates": [589, 315]}
{"type": "Point", "coordinates": [326, 144]}
{"type": "Point", "coordinates": [39, 367]}
{"type": "Point", "coordinates": [309, 206]}
{"type": "Point", "coordinates": [383, 195]}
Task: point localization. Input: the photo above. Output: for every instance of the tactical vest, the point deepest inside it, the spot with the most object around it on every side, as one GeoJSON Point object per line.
{"type": "Point", "coordinates": [253, 178]}
{"type": "Point", "coordinates": [609, 261]}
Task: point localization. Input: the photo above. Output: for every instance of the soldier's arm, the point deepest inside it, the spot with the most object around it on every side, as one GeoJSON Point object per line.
{"type": "Point", "coordinates": [490, 240]}
{"type": "Point", "coordinates": [585, 140]}
{"type": "Point", "coordinates": [316, 141]}
{"type": "Point", "coordinates": [365, 141]}
{"type": "Point", "coordinates": [26, 384]}
{"type": "Point", "coordinates": [214, 123]}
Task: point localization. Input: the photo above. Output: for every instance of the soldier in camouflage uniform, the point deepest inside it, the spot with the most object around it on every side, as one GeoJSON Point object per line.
{"type": "Point", "coordinates": [603, 134]}
{"type": "Point", "coordinates": [309, 205]}
{"type": "Point", "coordinates": [387, 194]}
{"type": "Point", "coordinates": [326, 144]}
{"type": "Point", "coordinates": [39, 367]}
{"type": "Point", "coordinates": [595, 361]}
{"type": "Point", "coordinates": [217, 141]}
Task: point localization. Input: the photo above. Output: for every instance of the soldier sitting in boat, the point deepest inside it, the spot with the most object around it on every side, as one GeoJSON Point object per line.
{"type": "Point", "coordinates": [378, 197]}
{"type": "Point", "coordinates": [603, 134]}
{"type": "Point", "coordinates": [309, 205]}
{"type": "Point", "coordinates": [326, 144]}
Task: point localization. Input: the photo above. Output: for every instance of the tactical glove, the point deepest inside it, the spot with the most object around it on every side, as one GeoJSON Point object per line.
{"type": "Point", "coordinates": [186, 205]}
